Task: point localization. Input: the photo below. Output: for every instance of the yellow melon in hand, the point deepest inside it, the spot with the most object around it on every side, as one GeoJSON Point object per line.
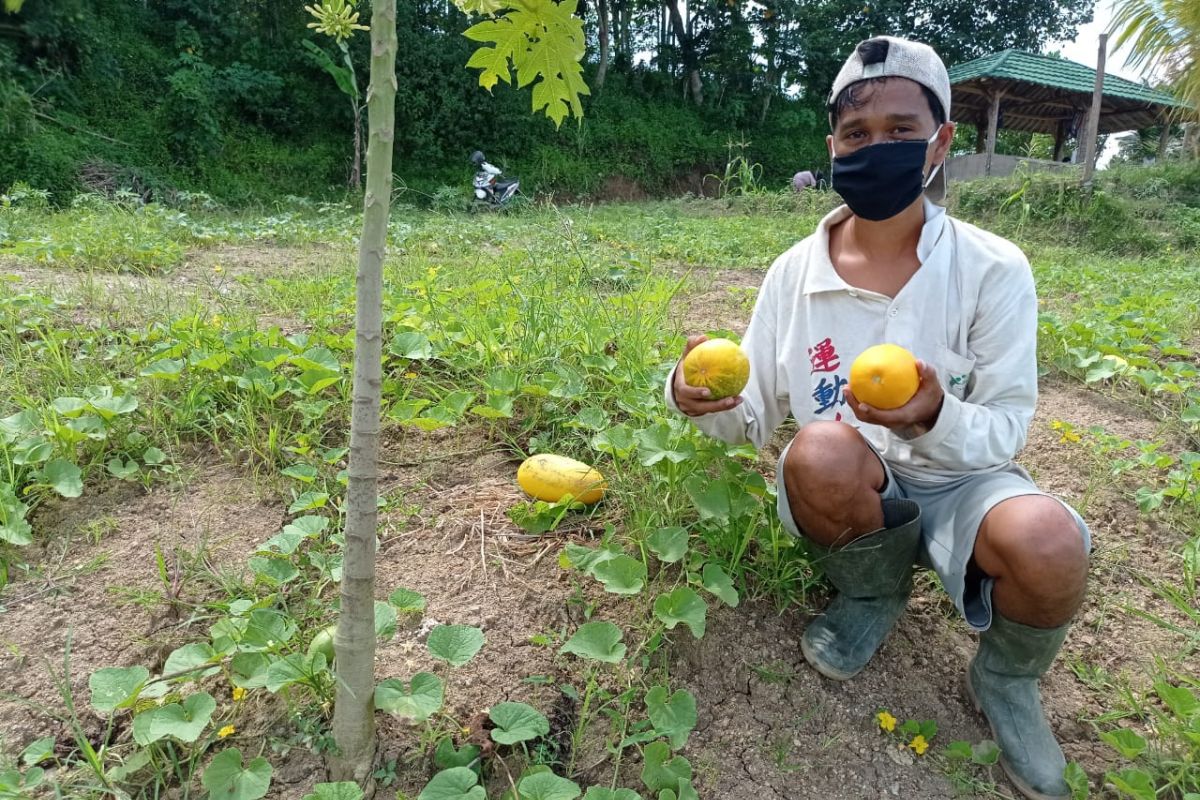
{"type": "Point", "coordinates": [720, 365]}
{"type": "Point", "coordinates": [884, 376]}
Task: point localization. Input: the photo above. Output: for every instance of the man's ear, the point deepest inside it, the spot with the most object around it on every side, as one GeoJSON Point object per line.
{"type": "Point", "coordinates": [829, 145]}
{"type": "Point", "coordinates": [945, 138]}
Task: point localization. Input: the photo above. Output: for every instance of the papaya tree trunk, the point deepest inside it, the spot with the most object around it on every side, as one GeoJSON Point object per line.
{"type": "Point", "coordinates": [354, 643]}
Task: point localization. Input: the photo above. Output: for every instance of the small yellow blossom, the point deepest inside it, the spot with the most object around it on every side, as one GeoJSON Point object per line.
{"type": "Point", "coordinates": [1069, 436]}
{"type": "Point", "coordinates": [239, 694]}
{"type": "Point", "coordinates": [919, 745]}
{"type": "Point", "coordinates": [886, 721]}
{"type": "Point", "coordinates": [229, 730]}
{"type": "Point", "coordinates": [466, 731]}
{"type": "Point", "coordinates": [410, 375]}
{"type": "Point", "coordinates": [218, 268]}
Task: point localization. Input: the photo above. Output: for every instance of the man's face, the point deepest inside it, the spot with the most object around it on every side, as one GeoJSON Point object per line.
{"type": "Point", "coordinates": [894, 110]}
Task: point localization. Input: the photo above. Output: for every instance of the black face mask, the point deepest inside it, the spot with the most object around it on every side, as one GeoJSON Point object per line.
{"type": "Point", "coordinates": [881, 180]}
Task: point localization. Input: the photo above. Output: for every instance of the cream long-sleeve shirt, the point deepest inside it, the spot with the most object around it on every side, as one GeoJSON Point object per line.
{"type": "Point", "coordinates": [970, 310]}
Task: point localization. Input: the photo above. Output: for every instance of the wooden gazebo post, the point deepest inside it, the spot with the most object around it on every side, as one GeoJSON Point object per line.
{"type": "Point", "coordinates": [993, 124]}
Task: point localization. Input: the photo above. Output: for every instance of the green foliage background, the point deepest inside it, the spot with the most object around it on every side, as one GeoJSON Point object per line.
{"type": "Point", "coordinates": [220, 96]}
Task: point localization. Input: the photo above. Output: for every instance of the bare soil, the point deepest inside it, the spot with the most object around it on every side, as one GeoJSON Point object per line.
{"type": "Point", "coordinates": [769, 726]}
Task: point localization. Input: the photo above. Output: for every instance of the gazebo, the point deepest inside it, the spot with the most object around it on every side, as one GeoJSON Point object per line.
{"type": "Point", "coordinates": [1043, 94]}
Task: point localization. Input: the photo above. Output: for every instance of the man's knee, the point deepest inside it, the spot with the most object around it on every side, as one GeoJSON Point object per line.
{"type": "Point", "coordinates": [831, 460]}
{"type": "Point", "coordinates": [1034, 535]}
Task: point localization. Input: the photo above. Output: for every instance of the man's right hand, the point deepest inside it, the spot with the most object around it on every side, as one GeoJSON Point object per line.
{"type": "Point", "coordinates": [696, 401]}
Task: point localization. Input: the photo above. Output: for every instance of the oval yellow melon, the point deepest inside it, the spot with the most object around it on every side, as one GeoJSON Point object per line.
{"type": "Point", "coordinates": [549, 477]}
{"type": "Point", "coordinates": [720, 365]}
{"type": "Point", "coordinates": [323, 643]}
{"type": "Point", "coordinates": [885, 376]}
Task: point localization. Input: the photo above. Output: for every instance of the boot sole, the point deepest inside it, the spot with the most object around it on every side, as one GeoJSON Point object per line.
{"type": "Point", "coordinates": [1009, 772]}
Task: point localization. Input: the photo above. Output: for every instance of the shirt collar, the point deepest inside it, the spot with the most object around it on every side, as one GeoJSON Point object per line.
{"type": "Point", "coordinates": [821, 275]}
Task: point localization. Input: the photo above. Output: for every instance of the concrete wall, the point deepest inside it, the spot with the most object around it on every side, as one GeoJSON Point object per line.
{"type": "Point", "coordinates": [965, 168]}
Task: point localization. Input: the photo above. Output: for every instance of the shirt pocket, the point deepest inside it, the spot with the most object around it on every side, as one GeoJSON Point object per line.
{"type": "Point", "coordinates": [954, 371]}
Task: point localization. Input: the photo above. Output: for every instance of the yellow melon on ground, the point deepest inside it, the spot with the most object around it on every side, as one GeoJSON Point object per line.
{"type": "Point", "coordinates": [549, 477]}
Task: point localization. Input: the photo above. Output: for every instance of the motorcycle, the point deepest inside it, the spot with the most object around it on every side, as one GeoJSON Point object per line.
{"type": "Point", "coordinates": [489, 189]}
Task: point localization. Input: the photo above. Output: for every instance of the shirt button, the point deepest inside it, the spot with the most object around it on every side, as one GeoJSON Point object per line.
{"type": "Point", "coordinates": [893, 312]}
{"type": "Point", "coordinates": [853, 293]}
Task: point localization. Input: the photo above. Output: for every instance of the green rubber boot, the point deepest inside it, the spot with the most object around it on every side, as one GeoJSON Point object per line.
{"type": "Point", "coordinates": [873, 578]}
{"type": "Point", "coordinates": [1003, 684]}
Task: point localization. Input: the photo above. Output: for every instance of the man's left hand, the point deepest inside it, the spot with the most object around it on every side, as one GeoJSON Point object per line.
{"type": "Point", "coordinates": [915, 417]}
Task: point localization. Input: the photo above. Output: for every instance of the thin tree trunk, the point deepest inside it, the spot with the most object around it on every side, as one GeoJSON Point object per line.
{"type": "Point", "coordinates": [690, 68]}
{"type": "Point", "coordinates": [354, 643]}
{"type": "Point", "coordinates": [356, 167]}
{"type": "Point", "coordinates": [602, 69]}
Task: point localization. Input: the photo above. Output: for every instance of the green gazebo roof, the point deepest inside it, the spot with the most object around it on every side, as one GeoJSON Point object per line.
{"type": "Point", "coordinates": [1039, 91]}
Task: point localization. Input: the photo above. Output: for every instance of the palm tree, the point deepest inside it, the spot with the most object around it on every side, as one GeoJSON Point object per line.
{"type": "Point", "coordinates": [1163, 37]}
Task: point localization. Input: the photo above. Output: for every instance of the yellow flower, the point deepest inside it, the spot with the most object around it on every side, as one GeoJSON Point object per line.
{"type": "Point", "coordinates": [1069, 436]}
{"type": "Point", "coordinates": [239, 694]}
{"type": "Point", "coordinates": [218, 268]}
{"type": "Point", "coordinates": [410, 375]}
{"type": "Point", "coordinates": [886, 721]}
{"type": "Point", "coordinates": [919, 745]}
{"type": "Point", "coordinates": [228, 730]}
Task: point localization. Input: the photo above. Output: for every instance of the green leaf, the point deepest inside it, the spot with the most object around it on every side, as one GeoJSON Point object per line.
{"type": "Point", "coordinates": [306, 473]}
{"type": "Point", "coordinates": [547, 786]}
{"type": "Point", "coordinates": [958, 751]}
{"type": "Point", "coordinates": [720, 500]}
{"type": "Point", "coordinates": [985, 753]}
{"type": "Point", "coordinates": [385, 621]}
{"type": "Point", "coordinates": [268, 630]}
{"type": "Point", "coordinates": [227, 779]}
{"type": "Point", "coordinates": [1132, 783]}
{"type": "Point", "coordinates": [456, 783]}
{"type": "Point", "coordinates": [406, 601]}
{"type": "Point", "coordinates": [599, 641]}
{"type": "Point", "coordinates": [682, 605]}
{"type": "Point", "coordinates": [292, 669]}
{"type": "Point", "coordinates": [308, 501]}
{"type": "Point", "coordinates": [318, 359]}
{"type": "Point", "coordinates": [276, 570]}
{"type": "Point", "coordinates": [716, 581]}
{"type": "Point", "coordinates": [661, 771]}
{"type": "Point", "coordinates": [1077, 781]}
{"type": "Point", "coordinates": [682, 791]}
{"type": "Point", "coordinates": [455, 644]}
{"type": "Point", "coordinates": [674, 716]}
{"type": "Point", "coordinates": [668, 544]}
{"type": "Point", "coordinates": [32, 451]}
{"type": "Point", "coordinates": [604, 793]}
{"type": "Point", "coordinates": [498, 406]}
{"type": "Point", "coordinates": [446, 756]}
{"type": "Point", "coordinates": [192, 657]}
{"type": "Point", "coordinates": [411, 345]}
{"type": "Point", "coordinates": [294, 533]}
{"type": "Point", "coordinates": [585, 559]}
{"type": "Point", "coordinates": [69, 406]}
{"type": "Point", "coordinates": [123, 470]}
{"type": "Point", "coordinates": [342, 790]}
{"type": "Point", "coordinates": [418, 701]}
{"type": "Point", "coordinates": [517, 722]}
{"type": "Point", "coordinates": [63, 477]}
{"type": "Point", "coordinates": [116, 687]}
{"type": "Point", "coordinates": [153, 456]}
{"type": "Point", "coordinates": [655, 445]}
{"type": "Point", "coordinates": [184, 721]}
{"type": "Point", "coordinates": [24, 423]}
{"type": "Point", "coordinates": [621, 575]}
{"type": "Point", "coordinates": [38, 751]}
{"type": "Point", "coordinates": [13, 528]}
{"type": "Point", "coordinates": [1181, 700]}
{"type": "Point", "coordinates": [617, 441]}
{"type": "Point", "coordinates": [167, 369]}
{"type": "Point", "coordinates": [1126, 742]}
{"type": "Point", "coordinates": [109, 406]}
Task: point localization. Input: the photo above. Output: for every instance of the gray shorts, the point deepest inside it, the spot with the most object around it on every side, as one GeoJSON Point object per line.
{"type": "Point", "coordinates": [951, 513]}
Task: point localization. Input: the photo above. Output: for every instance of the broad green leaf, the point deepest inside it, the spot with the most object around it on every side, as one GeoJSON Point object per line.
{"type": "Point", "coordinates": [411, 345]}
{"type": "Point", "coordinates": [957, 751]}
{"type": "Point", "coordinates": [184, 721]}
{"type": "Point", "coordinates": [193, 657]}
{"type": "Point", "coordinates": [517, 722]}
{"type": "Point", "coordinates": [295, 532]}
{"type": "Point", "coordinates": [276, 570]}
{"type": "Point", "coordinates": [456, 783]}
{"type": "Point", "coordinates": [668, 544]}
{"type": "Point", "coordinates": [64, 477]}
{"type": "Point", "coordinates": [682, 605]}
{"type": "Point", "coordinates": [661, 771]}
{"type": "Point", "coordinates": [1181, 700]}
{"type": "Point", "coordinates": [1077, 781]}
{"type": "Point", "coordinates": [268, 630]}
{"type": "Point", "coordinates": [110, 406]}
{"type": "Point", "coordinates": [116, 687]}
{"type": "Point", "coordinates": [984, 753]}
{"type": "Point", "coordinates": [69, 406]}
{"type": "Point", "coordinates": [720, 500]}
{"type": "Point", "coordinates": [1126, 742]}
{"type": "Point", "coordinates": [417, 701]}
{"type": "Point", "coordinates": [319, 359]}
{"type": "Point", "coordinates": [385, 621]}
{"type": "Point", "coordinates": [682, 791]}
{"type": "Point", "coordinates": [226, 778]}
{"type": "Point", "coordinates": [308, 501]}
{"type": "Point", "coordinates": [306, 473]}
{"type": "Point", "coordinates": [617, 441]}
{"type": "Point", "coordinates": [655, 444]}
{"type": "Point", "coordinates": [20, 424]}
{"type": "Point", "coordinates": [547, 786]}
{"type": "Point", "coordinates": [406, 601]}
{"type": "Point", "coordinates": [621, 575]}
{"type": "Point", "coordinates": [167, 369]}
{"type": "Point", "coordinates": [292, 669]}
{"type": "Point", "coordinates": [342, 790]}
{"type": "Point", "coordinates": [599, 641]}
{"type": "Point", "coordinates": [593, 418]}
{"type": "Point", "coordinates": [455, 644]}
{"type": "Point", "coordinates": [38, 751]}
{"type": "Point", "coordinates": [446, 756]}
{"type": "Point", "coordinates": [716, 581]}
{"type": "Point", "coordinates": [585, 559]}
{"type": "Point", "coordinates": [124, 470]}
{"type": "Point", "coordinates": [1132, 783]}
{"type": "Point", "coordinates": [250, 670]}
{"type": "Point", "coordinates": [32, 451]}
{"type": "Point", "coordinates": [674, 716]}
{"type": "Point", "coordinates": [498, 406]}
{"type": "Point", "coordinates": [604, 793]}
